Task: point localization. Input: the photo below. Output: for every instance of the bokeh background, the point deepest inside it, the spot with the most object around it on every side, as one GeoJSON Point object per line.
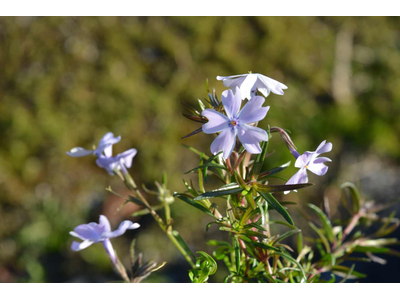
{"type": "Point", "coordinates": [66, 81]}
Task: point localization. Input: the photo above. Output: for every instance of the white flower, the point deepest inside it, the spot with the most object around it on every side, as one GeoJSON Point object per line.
{"type": "Point", "coordinates": [250, 83]}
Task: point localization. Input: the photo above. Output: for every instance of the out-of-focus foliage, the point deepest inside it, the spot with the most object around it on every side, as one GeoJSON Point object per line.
{"type": "Point", "coordinates": [65, 82]}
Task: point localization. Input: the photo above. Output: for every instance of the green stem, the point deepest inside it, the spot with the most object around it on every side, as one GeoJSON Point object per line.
{"type": "Point", "coordinates": [131, 185]}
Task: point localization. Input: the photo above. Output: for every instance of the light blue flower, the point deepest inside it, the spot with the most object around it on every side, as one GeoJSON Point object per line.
{"type": "Point", "coordinates": [310, 161]}
{"type": "Point", "coordinates": [250, 83]}
{"type": "Point", "coordinates": [236, 123]}
{"type": "Point", "coordinates": [104, 152]}
{"type": "Point", "coordinates": [121, 161]}
{"type": "Point", "coordinates": [105, 146]}
{"type": "Point", "coordinates": [100, 233]}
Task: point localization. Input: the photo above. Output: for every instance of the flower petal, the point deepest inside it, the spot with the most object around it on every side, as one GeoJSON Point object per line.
{"type": "Point", "coordinates": [87, 232]}
{"type": "Point", "coordinates": [108, 163]}
{"type": "Point", "coordinates": [80, 246]}
{"type": "Point", "coordinates": [318, 169]}
{"type": "Point", "coordinates": [270, 84]}
{"type": "Point", "coordinates": [225, 142]}
{"type": "Point", "coordinates": [253, 111]}
{"type": "Point", "coordinates": [251, 136]}
{"type": "Point", "coordinates": [324, 147]}
{"type": "Point", "coordinates": [232, 81]}
{"type": "Point", "coordinates": [110, 251]}
{"type": "Point", "coordinates": [248, 88]}
{"type": "Point", "coordinates": [299, 177]}
{"type": "Point", "coordinates": [127, 157]}
{"type": "Point", "coordinates": [79, 151]}
{"type": "Point", "coordinates": [106, 143]}
{"type": "Point", "coordinates": [303, 159]}
{"type": "Point", "coordinates": [231, 102]}
{"type": "Point", "coordinates": [216, 121]}
{"type": "Point", "coordinates": [104, 223]}
{"type": "Point", "coordinates": [124, 226]}
{"type": "Point", "coordinates": [321, 160]}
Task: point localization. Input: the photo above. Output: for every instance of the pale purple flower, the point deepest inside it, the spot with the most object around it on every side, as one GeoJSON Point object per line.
{"type": "Point", "coordinates": [105, 146]}
{"type": "Point", "coordinates": [121, 161]}
{"type": "Point", "coordinates": [235, 123]}
{"type": "Point", "coordinates": [250, 83]}
{"type": "Point", "coordinates": [310, 161]}
{"type": "Point", "coordinates": [100, 233]}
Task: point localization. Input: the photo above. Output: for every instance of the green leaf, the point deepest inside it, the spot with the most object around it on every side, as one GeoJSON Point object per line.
{"type": "Point", "coordinates": [278, 207]}
{"type": "Point", "coordinates": [237, 255]}
{"type": "Point", "coordinates": [190, 189]}
{"type": "Point", "coordinates": [325, 222]}
{"type": "Point", "coordinates": [282, 223]}
{"type": "Point", "coordinates": [348, 274]}
{"type": "Point", "coordinates": [355, 195]}
{"type": "Point", "coordinates": [280, 188]}
{"type": "Point", "coordinates": [195, 204]}
{"type": "Point", "coordinates": [343, 271]}
{"type": "Point", "coordinates": [219, 193]}
{"type": "Point", "coordinates": [277, 169]}
{"type": "Point", "coordinates": [321, 236]}
{"type": "Point", "coordinates": [259, 160]}
{"type": "Point", "coordinates": [254, 225]}
{"type": "Point", "coordinates": [218, 243]}
{"type": "Point", "coordinates": [212, 265]}
{"type": "Point", "coordinates": [209, 165]}
{"type": "Point", "coordinates": [292, 260]}
{"type": "Point", "coordinates": [286, 235]}
{"type": "Point", "coordinates": [182, 242]}
{"type": "Point", "coordinates": [208, 161]}
{"type": "Point", "coordinates": [195, 151]}
{"type": "Point", "coordinates": [364, 249]}
{"type": "Point", "coordinates": [201, 104]}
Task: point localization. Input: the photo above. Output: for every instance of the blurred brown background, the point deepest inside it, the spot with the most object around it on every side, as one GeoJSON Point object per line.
{"type": "Point", "coordinates": [66, 81]}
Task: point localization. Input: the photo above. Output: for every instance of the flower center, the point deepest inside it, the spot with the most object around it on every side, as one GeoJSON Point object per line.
{"type": "Point", "coordinates": [306, 166]}
{"type": "Point", "coordinates": [233, 123]}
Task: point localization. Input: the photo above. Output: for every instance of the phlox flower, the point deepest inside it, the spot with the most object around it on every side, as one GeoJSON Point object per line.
{"type": "Point", "coordinates": [105, 146]}
{"type": "Point", "coordinates": [104, 152]}
{"type": "Point", "coordinates": [310, 161]}
{"type": "Point", "coordinates": [235, 123]}
{"type": "Point", "coordinates": [250, 83]}
{"type": "Point", "coordinates": [100, 233]}
{"type": "Point", "coordinates": [115, 163]}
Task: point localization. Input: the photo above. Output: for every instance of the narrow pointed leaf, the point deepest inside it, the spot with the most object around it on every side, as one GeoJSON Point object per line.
{"type": "Point", "coordinates": [276, 170]}
{"type": "Point", "coordinates": [259, 161]}
{"type": "Point", "coordinates": [325, 222]}
{"type": "Point", "coordinates": [218, 193]}
{"type": "Point", "coordinates": [280, 188]}
{"type": "Point", "coordinates": [278, 207]}
{"type": "Point", "coordinates": [182, 243]}
{"type": "Point", "coordinates": [193, 133]}
{"type": "Point", "coordinates": [208, 165]}
{"type": "Point", "coordinates": [354, 194]}
{"type": "Point", "coordinates": [286, 235]}
{"type": "Point", "coordinates": [195, 204]}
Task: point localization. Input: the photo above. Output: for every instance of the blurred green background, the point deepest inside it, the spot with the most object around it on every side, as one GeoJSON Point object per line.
{"type": "Point", "coordinates": [66, 81]}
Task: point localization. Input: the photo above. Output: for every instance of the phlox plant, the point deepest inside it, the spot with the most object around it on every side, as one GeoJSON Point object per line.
{"type": "Point", "coordinates": [255, 253]}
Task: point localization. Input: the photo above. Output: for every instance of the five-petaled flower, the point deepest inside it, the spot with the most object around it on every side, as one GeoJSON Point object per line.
{"type": "Point", "coordinates": [100, 233]}
{"type": "Point", "coordinates": [115, 163]}
{"type": "Point", "coordinates": [236, 123]}
{"type": "Point", "coordinates": [310, 161]}
{"type": "Point", "coordinates": [104, 152]}
{"type": "Point", "coordinates": [250, 83]}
